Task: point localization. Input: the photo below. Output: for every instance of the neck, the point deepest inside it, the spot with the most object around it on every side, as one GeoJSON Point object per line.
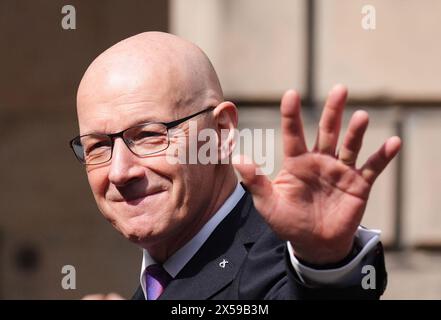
{"type": "Point", "coordinates": [221, 192]}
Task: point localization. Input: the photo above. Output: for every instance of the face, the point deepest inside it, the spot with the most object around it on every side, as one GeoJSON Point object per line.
{"type": "Point", "coordinates": [147, 199]}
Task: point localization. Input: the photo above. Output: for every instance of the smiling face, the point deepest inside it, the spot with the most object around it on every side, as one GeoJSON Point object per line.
{"type": "Point", "coordinates": [150, 77]}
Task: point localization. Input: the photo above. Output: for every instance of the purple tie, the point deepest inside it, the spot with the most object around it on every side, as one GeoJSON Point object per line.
{"type": "Point", "coordinates": [156, 280]}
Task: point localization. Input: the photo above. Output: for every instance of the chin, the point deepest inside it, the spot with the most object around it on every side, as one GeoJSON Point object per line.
{"type": "Point", "coordinates": [143, 228]}
{"type": "Point", "coordinates": [135, 233]}
{"type": "Point", "coordinates": [142, 224]}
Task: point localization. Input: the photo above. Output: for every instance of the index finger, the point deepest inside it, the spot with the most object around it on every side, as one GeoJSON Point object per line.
{"type": "Point", "coordinates": [292, 125]}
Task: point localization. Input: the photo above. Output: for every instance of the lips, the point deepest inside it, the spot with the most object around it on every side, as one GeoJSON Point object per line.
{"type": "Point", "coordinates": [136, 201]}
{"type": "Point", "coordinates": [141, 197]}
{"type": "Point", "coordinates": [132, 197]}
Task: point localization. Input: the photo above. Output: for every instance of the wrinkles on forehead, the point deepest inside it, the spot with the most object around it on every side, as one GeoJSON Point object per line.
{"type": "Point", "coordinates": [156, 74]}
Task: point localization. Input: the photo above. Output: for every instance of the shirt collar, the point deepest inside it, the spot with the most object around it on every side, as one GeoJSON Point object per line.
{"type": "Point", "coordinates": [180, 258]}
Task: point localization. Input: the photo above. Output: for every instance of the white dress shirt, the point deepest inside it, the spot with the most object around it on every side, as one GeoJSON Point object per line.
{"type": "Point", "coordinates": [175, 263]}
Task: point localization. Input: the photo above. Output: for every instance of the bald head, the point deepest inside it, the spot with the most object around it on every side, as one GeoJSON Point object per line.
{"type": "Point", "coordinates": [151, 67]}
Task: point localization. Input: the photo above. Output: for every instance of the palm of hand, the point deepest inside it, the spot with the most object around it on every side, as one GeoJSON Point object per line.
{"type": "Point", "coordinates": [317, 199]}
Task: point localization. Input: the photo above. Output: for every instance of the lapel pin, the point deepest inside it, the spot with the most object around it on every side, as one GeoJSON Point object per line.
{"type": "Point", "coordinates": [223, 263]}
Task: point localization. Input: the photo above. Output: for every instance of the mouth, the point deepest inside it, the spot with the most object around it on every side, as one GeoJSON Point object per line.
{"type": "Point", "coordinates": [133, 201]}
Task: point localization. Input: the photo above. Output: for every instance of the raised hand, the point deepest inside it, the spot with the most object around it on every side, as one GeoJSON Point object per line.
{"type": "Point", "coordinates": [319, 196]}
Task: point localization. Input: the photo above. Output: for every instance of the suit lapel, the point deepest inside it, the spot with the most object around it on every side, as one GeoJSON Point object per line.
{"type": "Point", "coordinates": [200, 281]}
{"type": "Point", "coordinates": [218, 261]}
{"type": "Point", "coordinates": [139, 294]}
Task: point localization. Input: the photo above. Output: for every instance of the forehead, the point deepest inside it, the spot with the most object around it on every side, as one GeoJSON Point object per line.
{"type": "Point", "coordinates": [120, 100]}
{"type": "Point", "coordinates": [110, 116]}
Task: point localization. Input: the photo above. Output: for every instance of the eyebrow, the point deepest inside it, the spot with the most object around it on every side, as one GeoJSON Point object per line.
{"type": "Point", "coordinates": [137, 123]}
{"type": "Point", "coordinates": [145, 120]}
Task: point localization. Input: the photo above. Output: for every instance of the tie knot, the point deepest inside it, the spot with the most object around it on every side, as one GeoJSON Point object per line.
{"type": "Point", "coordinates": [157, 280]}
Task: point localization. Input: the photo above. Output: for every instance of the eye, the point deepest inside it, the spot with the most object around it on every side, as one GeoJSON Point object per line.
{"type": "Point", "coordinates": [97, 145]}
{"type": "Point", "coordinates": [147, 134]}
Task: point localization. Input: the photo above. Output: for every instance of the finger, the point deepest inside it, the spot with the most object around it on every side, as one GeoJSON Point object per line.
{"type": "Point", "coordinates": [114, 296]}
{"type": "Point", "coordinates": [379, 160]}
{"type": "Point", "coordinates": [256, 182]}
{"type": "Point", "coordinates": [330, 121]}
{"type": "Point", "coordinates": [292, 126]}
{"type": "Point", "coordinates": [353, 138]}
{"type": "Point", "coordinates": [96, 296]}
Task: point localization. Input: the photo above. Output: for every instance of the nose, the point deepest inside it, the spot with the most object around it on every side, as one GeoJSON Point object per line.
{"type": "Point", "coordinates": [123, 167]}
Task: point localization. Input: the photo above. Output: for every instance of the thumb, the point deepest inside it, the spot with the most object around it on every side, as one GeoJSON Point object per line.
{"type": "Point", "coordinates": [258, 184]}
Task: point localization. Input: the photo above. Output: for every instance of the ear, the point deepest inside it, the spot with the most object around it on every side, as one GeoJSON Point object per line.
{"type": "Point", "coordinates": [226, 117]}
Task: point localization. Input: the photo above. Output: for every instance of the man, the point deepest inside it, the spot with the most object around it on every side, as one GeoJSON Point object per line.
{"type": "Point", "coordinates": [203, 234]}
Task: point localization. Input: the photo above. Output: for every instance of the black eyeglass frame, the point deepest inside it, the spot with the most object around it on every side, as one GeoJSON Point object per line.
{"type": "Point", "coordinates": [113, 136]}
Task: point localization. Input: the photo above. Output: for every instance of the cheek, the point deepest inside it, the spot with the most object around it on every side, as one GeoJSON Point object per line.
{"type": "Point", "coordinates": [192, 187]}
{"type": "Point", "coordinates": [98, 181]}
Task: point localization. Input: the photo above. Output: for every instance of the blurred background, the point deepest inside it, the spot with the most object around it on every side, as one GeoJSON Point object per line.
{"type": "Point", "coordinates": [387, 53]}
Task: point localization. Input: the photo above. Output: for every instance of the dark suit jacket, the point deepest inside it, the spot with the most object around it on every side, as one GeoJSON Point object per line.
{"type": "Point", "coordinates": [258, 266]}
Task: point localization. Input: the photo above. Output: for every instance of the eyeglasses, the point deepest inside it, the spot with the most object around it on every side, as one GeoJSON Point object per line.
{"type": "Point", "coordinates": [142, 140]}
